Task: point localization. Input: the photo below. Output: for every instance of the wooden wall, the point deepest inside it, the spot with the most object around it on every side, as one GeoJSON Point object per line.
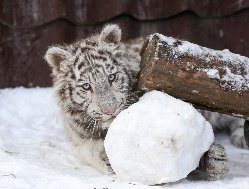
{"type": "Point", "coordinates": [28, 27]}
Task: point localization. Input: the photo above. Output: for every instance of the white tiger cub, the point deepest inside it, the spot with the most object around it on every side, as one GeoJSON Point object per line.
{"type": "Point", "coordinates": [234, 125]}
{"type": "Point", "coordinates": [94, 80]}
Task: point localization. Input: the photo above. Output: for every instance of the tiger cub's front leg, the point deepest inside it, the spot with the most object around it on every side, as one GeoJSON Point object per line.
{"type": "Point", "coordinates": [215, 163]}
{"type": "Point", "coordinates": [93, 153]}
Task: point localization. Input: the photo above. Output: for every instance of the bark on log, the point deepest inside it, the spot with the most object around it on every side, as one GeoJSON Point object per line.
{"type": "Point", "coordinates": [209, 79]}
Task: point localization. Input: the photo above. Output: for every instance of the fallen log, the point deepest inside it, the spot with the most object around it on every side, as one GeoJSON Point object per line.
{"type": "Point", "coordinates": [209, 79]}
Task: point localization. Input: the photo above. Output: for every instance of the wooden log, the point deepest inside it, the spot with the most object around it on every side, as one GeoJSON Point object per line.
{"type": "Point", "coordinates": [209, 79]}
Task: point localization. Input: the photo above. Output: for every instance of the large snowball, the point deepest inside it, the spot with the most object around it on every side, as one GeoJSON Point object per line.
{"type": "Point", "coordinates": [157, 140]}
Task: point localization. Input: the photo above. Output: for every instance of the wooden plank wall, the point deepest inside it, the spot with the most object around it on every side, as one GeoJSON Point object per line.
{"type": "Point", "coordinates": [28, 27]}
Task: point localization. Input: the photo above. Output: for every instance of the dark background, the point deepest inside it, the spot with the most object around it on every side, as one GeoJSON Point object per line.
{"type": "Point", "coordinates": [28, 27]}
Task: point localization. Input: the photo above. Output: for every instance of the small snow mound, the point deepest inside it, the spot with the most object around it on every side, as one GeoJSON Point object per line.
{"type": "Point", "coordinates": [157, 140]}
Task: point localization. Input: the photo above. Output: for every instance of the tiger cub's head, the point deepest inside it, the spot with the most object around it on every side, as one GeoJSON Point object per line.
{"type": "Point", "coordinates": [93, 76]}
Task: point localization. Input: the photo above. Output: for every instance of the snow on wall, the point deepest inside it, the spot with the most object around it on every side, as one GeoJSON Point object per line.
{"type": "Point", "coordinates": [233, 75]}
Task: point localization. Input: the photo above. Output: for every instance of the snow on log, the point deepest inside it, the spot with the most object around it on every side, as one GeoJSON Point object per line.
{"type": "Point", "coordinates": [209, 79]}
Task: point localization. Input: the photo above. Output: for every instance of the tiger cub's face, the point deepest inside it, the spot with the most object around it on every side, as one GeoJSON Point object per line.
{"type": "Point", "coordinates": [93, 76]}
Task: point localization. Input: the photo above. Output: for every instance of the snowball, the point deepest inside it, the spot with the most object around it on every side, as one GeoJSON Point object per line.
{"type": "Point", "coordinates": [157, 140]}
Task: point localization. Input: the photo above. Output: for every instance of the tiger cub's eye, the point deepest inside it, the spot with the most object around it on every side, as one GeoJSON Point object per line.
{"type": "Point", "coordinates": [112, 77]}
{"type": "Point", "coordinates": [86, 86]}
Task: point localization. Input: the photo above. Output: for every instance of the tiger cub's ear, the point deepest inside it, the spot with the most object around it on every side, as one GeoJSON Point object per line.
{"type": "Point", "coordinates": [111, 33]}
{"type": "Point", "coordinates": [55, 55]}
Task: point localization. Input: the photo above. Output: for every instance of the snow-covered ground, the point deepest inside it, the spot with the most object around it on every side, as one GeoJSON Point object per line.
{"type": "Point", "coordinates": [35, 152]}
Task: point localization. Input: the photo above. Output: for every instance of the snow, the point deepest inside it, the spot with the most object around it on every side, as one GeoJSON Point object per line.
{"type": "Point", "coordinates": [35, 152]}
{"type": "Point", "coordinates": [233, 74]}
{"type": "Point", "coordinates": [149, 142]}
{"type": "Point", "coordinates": [212, 73]}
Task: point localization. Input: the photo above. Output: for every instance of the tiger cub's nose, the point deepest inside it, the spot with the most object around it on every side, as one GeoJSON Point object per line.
{"type": "Point", "coordinates": [109, 111]}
